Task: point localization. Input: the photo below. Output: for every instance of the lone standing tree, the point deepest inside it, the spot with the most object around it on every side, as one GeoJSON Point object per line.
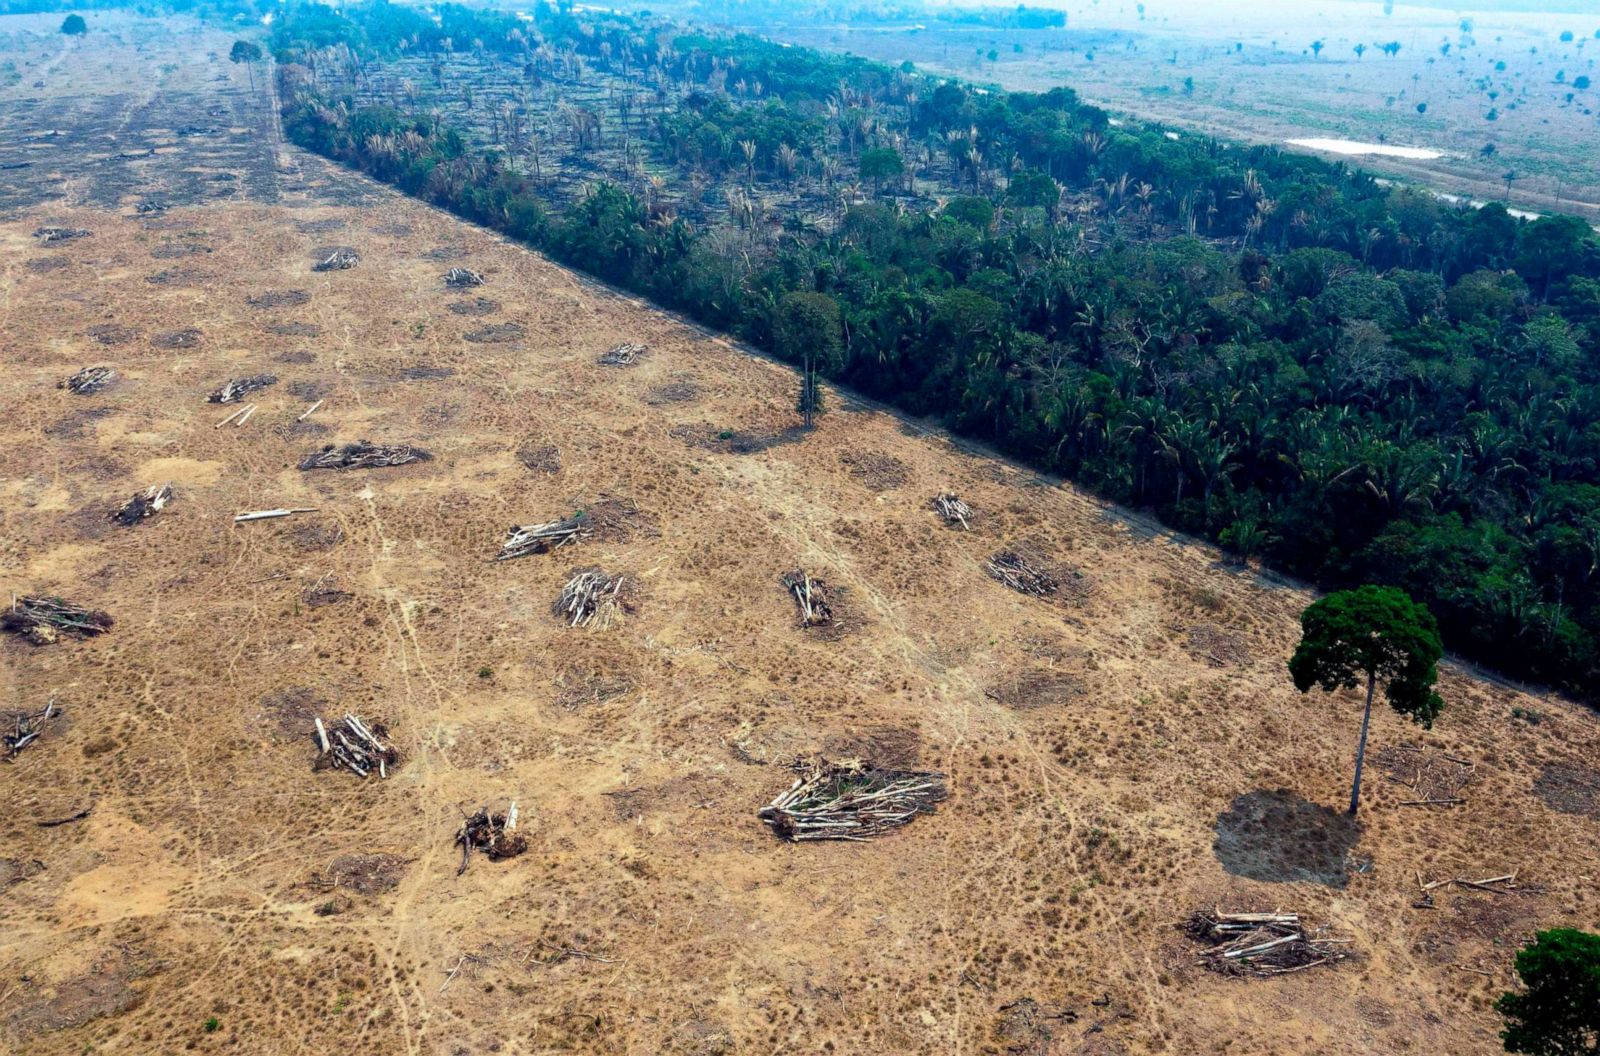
{"type": "Point", "coordinates": [1557, 1013]}
{"type": "Point", "coordinates": [74, 26]}
{"type": "Point", "coordinates": [249, 54]}
{"type": "Point", "coordinates": [1378, 632]}
{"type": "Point", "coordinates": [807, 328]}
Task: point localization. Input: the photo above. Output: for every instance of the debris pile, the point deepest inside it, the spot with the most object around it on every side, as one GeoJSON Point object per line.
{"type": "Point", "coordinates": [462, 278]}
{"type": "Point", "coordinates": [88, 380]}
{"type": "Point", "coordinates": [28, 729]}
{"type": "Point", "coordinates": [1436, 779]}
{"type": "Point", "coordinates": [43, 620]}
{"type": "Point", "coordinates": [947, 505]}
{"type": "Point", "coordinates": [624, 355]}
{"type": "Point", "coordinates": [48, 235]}
{"type": "Point", "coordinates": [1022, 574]}
{"type": "Point", "coordinates": [239, 388]}
{"type": "Point", "coordinates": [593, 599]}
{"type": "Point", "coordinates": [1218, 647]}
{"type": "Point", "coordinates": [522, 540]}
{"type": "Point", "coordinates": [341, 259]}
{"type": "Point", "coordinates": [493, 834]}
{"type": "Point", "coordinates": [852, 801]}
{"type": "Point", "coordinates": [811, 596]}
{"type": "Point", "coordinates": [362, 455]}
{"type": "Point", "coordinates": [1261, 943]}
{"type": "Point", "coordinates": [143, 504]}
{"type": "Point", "coordinates": [1494, 885]}
{"type": "Point", "coordinates": [355, 746]}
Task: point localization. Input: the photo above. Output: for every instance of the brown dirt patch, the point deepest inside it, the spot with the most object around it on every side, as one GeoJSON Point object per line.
{"type": "Point", "coordinates": [112, 334]}
{"type": "Point", "coordinates": [174, 339]}
{"type": "Point", "coordinates": [475, 308]}
{"type": "Point", "coordinates": [1570, 789]}
{"type": "Point", "coordinates": [1036, 688]}
{"type": "Point", "coordinates": [540, 458]}
{"type": "Point", "coordinates": [496, 334]}
{"type": "Point", "coordinates": [1218, 647]}
{"type": "Point", "coordinates": [874, 470]}
{"type": "Point", "coordinates": [106, 989]}
{"type": "Point", "coordinates": [279, 299]}
{"type": "Point", "coordinates": [366, 874]}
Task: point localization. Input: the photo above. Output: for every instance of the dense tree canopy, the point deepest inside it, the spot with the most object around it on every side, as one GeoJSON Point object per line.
{"type": "Point", "coordinates": [1557, 1013]}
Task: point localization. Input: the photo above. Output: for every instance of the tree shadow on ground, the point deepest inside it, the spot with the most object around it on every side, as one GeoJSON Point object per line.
{"type": "Point", "coordinates": [1278, 837]}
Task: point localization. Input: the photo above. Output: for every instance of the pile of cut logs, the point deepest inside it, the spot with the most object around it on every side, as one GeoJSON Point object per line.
{"type": "Point", "coordinates": [237, 389]}
{"type": "Point", "coordinates": [28, 729]}
{"type": "Point", "coordinates": [143, 504]}
{"type": "Point", "coordinates": [624, 355]}
{"type": "Point", "coordinates": [462, 278]}
{"type": "Point", "coordinates": [1021, 574]}
{"type": "Point", "coordinates": [47, 235]}
{"type": "Point", "coordinates": [811, 597]}
{"type": "Point", "coordinates": [1261, 943]}
{"type": "Point", "coordinates": [522, 540]}
{"type": "Point", "coordinates": [88, 380]}
{"type": "Point", "coordinates": [952, 509]}
{"type": "Point", "coordinates": [362, 455]}
{"type": "Point", "coordinates": [592, 599]}
{"type": "Point", "coordinates": [852, 801]}
{"type": "Point", "coordinates": [43, 620]}
{"type": "Point", "coordinates": [491, 833]}
{"type": "Point", "coordinates": [352, 744]}
{"type": "Point", "coordinates": [340, 259]}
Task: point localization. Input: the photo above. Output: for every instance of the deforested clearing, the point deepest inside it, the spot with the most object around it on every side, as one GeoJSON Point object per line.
{"type": "Point", "coordinates": [640, 902]}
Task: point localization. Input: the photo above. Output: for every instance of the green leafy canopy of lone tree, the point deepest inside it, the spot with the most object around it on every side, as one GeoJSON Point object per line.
{"type": "Point", "coordinates": [74, 26]}
{"type": "Point", "coordinates": [1557, 1013]}
{"type": "Point", "coordinates": [1376, 634]}
{"type": "Point", "coordinates": [807, 329]}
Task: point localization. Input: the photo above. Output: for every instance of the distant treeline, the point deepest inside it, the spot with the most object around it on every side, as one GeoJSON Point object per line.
{"type": "Point", "coordinates": [1352, 381]}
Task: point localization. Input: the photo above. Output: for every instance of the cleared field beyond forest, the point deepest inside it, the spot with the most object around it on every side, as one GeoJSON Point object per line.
{"type": "Point", "coordinates": [1118, 757]}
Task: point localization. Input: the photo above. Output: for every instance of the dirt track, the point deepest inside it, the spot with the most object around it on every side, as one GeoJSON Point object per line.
{"type": "Point", "coordinates": [1115, 761]}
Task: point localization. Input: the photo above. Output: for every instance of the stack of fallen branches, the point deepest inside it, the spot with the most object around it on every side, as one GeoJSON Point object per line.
{"type": "Point", "coordinates": [1261, 943]}
{"type": "Point", "coordinates": [43, 620]}
{"type": "Point", "coordinates": [340, 259]}
{"type": "Point", "coordinates": [1022, 575]}
{"type": "Point", "coordinates": [624, 355]}
{"type": "Point", "coordinates": [951, 508]}
{"type": "Point", "coordinates": [143, 504]}
{"type": "Point", "coordinates": [28, 729]}
{"type": "Point", "coordinates": [1437, 779]}
{"type": "Point", "coordinates": [88, 380]}
{"type": "Point", "coordinates": [811, 596]}
{"type": "Point", "coordinates": [354, 745]}
{"type": "Point", "coordinates": [239, 388]}
{"type": "Point", "coordinates": [852, 801]}
{"type": "Point", "coordinates": [1494, 885]}
{"type": "Point", "coordinates": [593, 599]}
{"type": "Point", "coordinates": [493, 834]}
{"type": "Point", "coordinates": [522, 540]}
{"type": "Point", "coordinates": [47, 235]}
{"type": "Point", "coordinates": [363, 454]}
{"type": "Point", "coordinates": [462, 278]}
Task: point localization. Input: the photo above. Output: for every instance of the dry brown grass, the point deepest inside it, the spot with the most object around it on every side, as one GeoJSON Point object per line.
{"type": "Point", "coordinates": [1033, 909]}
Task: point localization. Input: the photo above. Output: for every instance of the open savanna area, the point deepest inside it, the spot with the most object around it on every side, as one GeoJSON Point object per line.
{"type": "Point", "coordinates": [176, 873]}
{"type": "Point", "coordinates": [1497, 89]}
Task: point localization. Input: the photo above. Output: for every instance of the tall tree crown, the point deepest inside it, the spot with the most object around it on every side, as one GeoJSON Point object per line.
{"type": "Point", "coordinates": [1372, 631]}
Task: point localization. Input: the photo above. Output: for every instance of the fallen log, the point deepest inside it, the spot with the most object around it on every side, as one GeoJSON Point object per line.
{"type": "Point", "coordinates": [623, 355]}
{"type": "Point", "coordinates": [88, 380]}
{"type": "Point", "coordinates": [490, 833]}
{"type": "Point", "coordinates": [852, 801]}
{"type": "Point", "coordinates": [811, 597]}
{"type": "Point", "coordinates": [43, 620]}
{"type": "Point", "coordinates": [952, 509]}
{"type": "Point", "coordinates": [237, 389]}
{"type": "Point", "coordinates": [363, 455]}
{"type": "Point", "coordinates": [523, 540]}
{"type": "Point", "coordinates": [143, 504]}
